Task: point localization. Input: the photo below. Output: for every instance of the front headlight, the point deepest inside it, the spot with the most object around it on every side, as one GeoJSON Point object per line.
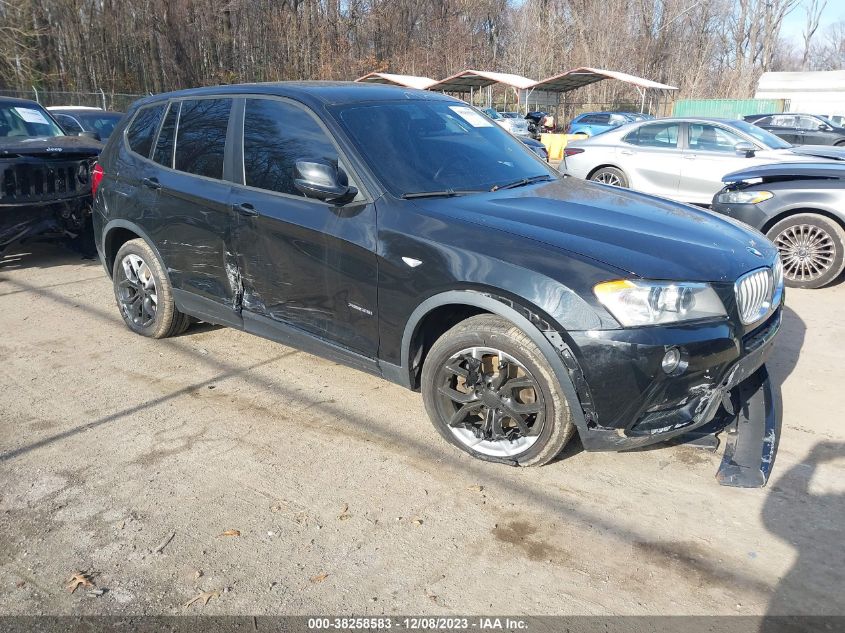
{"type": "Point", "coordinates": [744, 196]}
{"type": "Point", "coordinates": [639, 302]}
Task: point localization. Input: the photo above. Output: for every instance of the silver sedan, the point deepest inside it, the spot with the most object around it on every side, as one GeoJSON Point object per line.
{"type": "Point", "coordinates": [679, 158]}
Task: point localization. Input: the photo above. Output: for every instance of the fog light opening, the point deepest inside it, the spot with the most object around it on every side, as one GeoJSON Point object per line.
{"type": "Point", "coordinates": [673, 362]}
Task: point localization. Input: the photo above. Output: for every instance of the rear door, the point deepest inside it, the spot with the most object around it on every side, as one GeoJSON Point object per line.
{"type": "Point", "coordinates": [305, 263]}
{"type": "Point", "coordinates": [710, 154]}
{"type": "Point", "coordinates": [194, 215]}
{"type": "Point", "coordinates": [651, 158]}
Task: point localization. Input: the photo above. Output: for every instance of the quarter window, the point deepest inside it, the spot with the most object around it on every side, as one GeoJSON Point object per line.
{"type": "Point", "coordinates": [143, 129]}
{"type": "Point", "coordinates": [277, 135]}
{"type": "Point", "coordinates": [201, 136]}
{"type": "Point", "coordinates": [663, 135]}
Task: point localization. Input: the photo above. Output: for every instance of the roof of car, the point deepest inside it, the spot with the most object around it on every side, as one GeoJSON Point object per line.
{"type": "Point", "coordinates": [78, 108]}
{"type": "Point", "coordinates": [15, 101]}
{"type": "Point", "coordinates": [326, 92]}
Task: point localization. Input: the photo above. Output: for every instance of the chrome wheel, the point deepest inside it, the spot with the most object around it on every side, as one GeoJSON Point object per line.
{"type": "Point", "coordinates": [491, 402]}
{"type": "Point", "coordinates": [608, 178]}
{"type": "Point", "coordinates": [807, 251]}
{"type": "Point", "coordinates": [136, 292]}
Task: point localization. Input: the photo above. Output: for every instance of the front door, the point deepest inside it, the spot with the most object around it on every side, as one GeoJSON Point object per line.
{"type": "Point", "coordinates": [304, 263]}
{"type": "Point", "coordinates": [709, 155]}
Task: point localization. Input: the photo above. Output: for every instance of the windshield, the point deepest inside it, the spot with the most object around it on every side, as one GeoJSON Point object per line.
{"type": "Point", "coordinates": [26, 121]}
{"type": "Point", "coordinates": [827, 121]}
{"type": "Point", "coordinates": [430, 146]}
{"type": "Point", "coordinates": [766, 138]}
{"type": "Point", "coordinates": [103, 124]}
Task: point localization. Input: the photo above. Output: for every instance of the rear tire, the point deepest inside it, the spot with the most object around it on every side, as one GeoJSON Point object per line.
{"type": "Point", "coordinates": [144, 294]}
{"type": "Point", "coordinates": [610, 176]}
{"type": "Point", "coordinates": [812, 248]}
{"type": "Point", "coordinates": [482, 375]}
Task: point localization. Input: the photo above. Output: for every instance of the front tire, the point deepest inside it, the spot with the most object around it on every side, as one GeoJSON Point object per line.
{"type": "Point", "coordinates": [812, 248]}
{"type": "Point", "coordinates": [610, 176]}
{"type": "Point", "coordinates": [144, 294]}
{"type": "Point", "coordinates": [490, 391]}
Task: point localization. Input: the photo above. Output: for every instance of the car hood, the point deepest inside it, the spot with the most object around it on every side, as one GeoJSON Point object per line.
{"type": "Point", "coordinates": [648, 236]}
{"type": "Point", "coordinates": [49, 146]}
{"type": "Point", "coordinates": [819, 151]}
{"type": "Point", "coordinates": [789, 171]}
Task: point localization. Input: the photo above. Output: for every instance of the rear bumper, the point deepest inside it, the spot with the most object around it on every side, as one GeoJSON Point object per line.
{"type": "Point", "coordinates": [631, 402]}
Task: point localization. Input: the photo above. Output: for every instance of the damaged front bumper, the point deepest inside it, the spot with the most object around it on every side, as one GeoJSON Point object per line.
{"type": "Point", "coordinates": [66, 218]}
{"type": "Point", "coordinates": [629, 402]}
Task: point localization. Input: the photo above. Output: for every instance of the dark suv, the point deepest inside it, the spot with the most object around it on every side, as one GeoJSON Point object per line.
{"type": "Point", "coordinates": [405, 234]}
{"type": "Point", "coordinates": [800, 129]}
{"type": "Point", "coordinates": [45, 176]}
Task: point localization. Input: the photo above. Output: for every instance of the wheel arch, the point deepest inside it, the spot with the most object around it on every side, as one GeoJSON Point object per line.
{"type": "Point", "coordinates": [115, 234]}
{"type": "Point", "coordinates": [595, 169]}
{"type": "Point", "coordinates": [783, 215]}
{"type": "Point", "coordinates": [438, 309]}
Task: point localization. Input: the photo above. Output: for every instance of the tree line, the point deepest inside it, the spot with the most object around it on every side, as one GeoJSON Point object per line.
{"type": "Point", "coordinates": [708, 48]}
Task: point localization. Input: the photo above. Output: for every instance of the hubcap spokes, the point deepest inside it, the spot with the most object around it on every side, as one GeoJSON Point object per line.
{"type": "Point", "coordinates": [492, 403]}
{"type": "Point", "coordinates": [609, 179]}
{"type": "Point", "coordinates": [807, 252]}
{"type": "Point", "coordinates": [137, 291]}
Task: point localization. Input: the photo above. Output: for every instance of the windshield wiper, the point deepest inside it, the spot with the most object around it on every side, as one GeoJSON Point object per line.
{"type": "Point", "coordinates": [445, 193]}
{"type": "Point", "coordinates": [522, 182]}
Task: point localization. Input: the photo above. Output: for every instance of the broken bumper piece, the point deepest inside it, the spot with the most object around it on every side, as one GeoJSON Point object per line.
{"type": "Point", "coordinates": [751, 437]}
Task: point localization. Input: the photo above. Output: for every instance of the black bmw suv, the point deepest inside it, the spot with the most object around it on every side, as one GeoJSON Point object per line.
{"type": "Point", "coordinates": [405, 234]}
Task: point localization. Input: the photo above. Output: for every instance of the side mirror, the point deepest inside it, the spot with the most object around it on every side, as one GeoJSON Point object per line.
{"type": "Point", "coordinates": [91, 135]}
{"type": "Point", "coordinates": [322, 181]}
{"type": "Point", "coordinates": [823, 127]}
{"type": "Point", "coordinates": [745, 149]}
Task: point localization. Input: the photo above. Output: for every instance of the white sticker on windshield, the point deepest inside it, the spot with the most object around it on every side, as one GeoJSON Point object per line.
{"type": "Point", "coordinates": [471, 116]}
{"type": "Point", "coordinates": [32, 116]}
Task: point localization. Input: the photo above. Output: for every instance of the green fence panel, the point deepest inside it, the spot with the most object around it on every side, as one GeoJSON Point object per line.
{"type": "Point", "coordinates": [726, 108]}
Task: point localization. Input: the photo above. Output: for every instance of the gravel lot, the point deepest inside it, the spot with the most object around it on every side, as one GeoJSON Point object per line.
{"type": "Point", "coordinates": [346, 499]}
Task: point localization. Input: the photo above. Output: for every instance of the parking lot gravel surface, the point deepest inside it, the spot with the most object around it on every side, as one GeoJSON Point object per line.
{"type": "Point", "coordinates": [275, 482]}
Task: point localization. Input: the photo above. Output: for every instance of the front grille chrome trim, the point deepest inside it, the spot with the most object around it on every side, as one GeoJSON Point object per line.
{"type": "Point", "coordinates": [754, 293]}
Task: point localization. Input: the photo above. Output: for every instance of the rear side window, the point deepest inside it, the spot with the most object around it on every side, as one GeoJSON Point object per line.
{"type": "Point", "coordinates": [663, 135]}
{"type": "Point", "coordinates": [163, 153]}
{"type": "Point", "coordinates": [201, 136]}
{"type": "Point", "coordinates": [143, 129]}
{"type": "Point", "coordinates": [276, 135]}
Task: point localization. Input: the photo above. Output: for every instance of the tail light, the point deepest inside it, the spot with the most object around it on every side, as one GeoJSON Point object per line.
{"type": "Point", "coordinates": [572, 151]}
{"type": "Point", "coordinates": [96, 177]}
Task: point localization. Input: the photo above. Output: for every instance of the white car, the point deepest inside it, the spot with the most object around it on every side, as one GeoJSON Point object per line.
{"type": "Point", "coordinates": [680, 158]}
{"type": "Point", "coordinates": [516, 126]}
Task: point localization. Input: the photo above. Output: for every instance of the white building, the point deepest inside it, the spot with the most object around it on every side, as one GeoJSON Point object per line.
{"type": "Point", "coordinates": [819, 92]}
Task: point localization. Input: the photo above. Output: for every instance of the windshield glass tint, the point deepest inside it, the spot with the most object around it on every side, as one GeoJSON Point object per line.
{"type": "Point", "coordinates": [422, 146]}
{"type": "Point", "coordinates": [766, 138]}
{"type": "Point", "coordinates": [27, 121]}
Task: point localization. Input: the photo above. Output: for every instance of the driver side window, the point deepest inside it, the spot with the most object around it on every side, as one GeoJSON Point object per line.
{"type": "Point", "coordinates": [277, 134]}
{"type": "Point", "coordinates": [709, 138]}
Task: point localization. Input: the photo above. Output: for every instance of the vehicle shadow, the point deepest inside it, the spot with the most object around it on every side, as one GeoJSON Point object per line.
{"type": "Point", "coordinates": [803, 511]}
{"type": "Point", "coordinates": [44, 255]}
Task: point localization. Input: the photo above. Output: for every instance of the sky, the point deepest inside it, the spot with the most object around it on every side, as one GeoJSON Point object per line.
{"type": "Point", "coordinates": [793, 24]}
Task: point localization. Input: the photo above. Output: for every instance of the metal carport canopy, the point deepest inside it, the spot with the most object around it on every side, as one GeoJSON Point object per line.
{"type": "Point", "coordinates": [580, 77]}
{"type": "Point", "coordinates": [469, 80]}
{"type": "Point", "coordinates": [408, 81]}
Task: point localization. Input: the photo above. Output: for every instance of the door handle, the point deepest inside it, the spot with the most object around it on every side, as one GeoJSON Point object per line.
{"type": "Point", "coordinates": [151, 183]}
{"type": "Point", "coordinates": [689, 156]}
{"type": "Point", "coordinates": [245, 208]}
{"type": "Point", "coordinates": [626, 152]}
